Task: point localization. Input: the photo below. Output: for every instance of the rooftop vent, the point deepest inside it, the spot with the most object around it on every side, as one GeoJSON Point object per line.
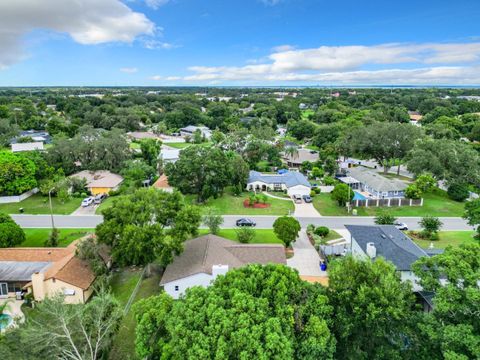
{"type": "Point", "coordinates": [371, 250]}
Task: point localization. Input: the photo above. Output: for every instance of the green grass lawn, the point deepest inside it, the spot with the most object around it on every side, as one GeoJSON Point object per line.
{"type": "Point", "coordinates": [38, 204]}
{"type": "Point", "coordinates": [435, 203]}
{"type": "Point", "coordinates": [134, 145]}
{"type": "Point", "coordinates": [447, 238]}
{"type": "Point", "coordinates": [179, 145]}
{"type": "Point", "coordinates": [37, 237]}
{"type": "Point", "coordinates": [307, 113]}
{"type": "Point", "coordinates": [332, 235]}
{"type": "Point", "coordinates": [262, 236]}
{"type": "Point", "coordinates": [233, 205]}
{"type": "Point", "coordinates": [123, 284]}
{"type": "Point", "coordinates": [108, 202]}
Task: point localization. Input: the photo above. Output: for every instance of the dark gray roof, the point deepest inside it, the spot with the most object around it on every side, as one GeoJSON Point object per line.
{"type": "Point", "coordinates": [290, 178]}
{"type": "Point", "coordinates": [21, 270]}
{"type": "Point", "coordinates": [391, 244]}
{"type": "Point", "coordinates": [375, 180]}
{"type": "Point", "coordinates": [433, 252]}
{"type": "Point", "coordinates": [202, 253]}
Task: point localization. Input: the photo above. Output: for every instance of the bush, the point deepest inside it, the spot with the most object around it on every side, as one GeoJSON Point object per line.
{"type": "Point", "coordinates": [310, 228]}
{"type": "Point", "coordinates": [322, 231]}
{"type": "Point", "coordinates": [430, 226]}
{"type": "Point", "coordinates": [413, 192]}
{"type": "Point", "coordinates": [328, 180]}
{"type": "Point", "coordinates": [317, 190]}
{"type": "Point", "coordinates": [312, 193]}
{"type": "Point", "coordinates": [53, 239]}
{"type": "Point", "coordinates": [245, 235]}
{"type": "Point", "coordinates": [458, 191]}
{"type": "Point", "coordinates": [384, 218]}
{"type": "Point", "coordinates": [425, 182]}
{"type": "Point", "coordinates": [342, 194]}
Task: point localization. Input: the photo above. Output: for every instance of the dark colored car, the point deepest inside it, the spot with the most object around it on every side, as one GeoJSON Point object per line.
{"type": "Point", "coordinates": [99, 198]}
{"type": "Point", "coordinates": [307, 198]}
{"type": "Point", "coordinates": [245, 222]}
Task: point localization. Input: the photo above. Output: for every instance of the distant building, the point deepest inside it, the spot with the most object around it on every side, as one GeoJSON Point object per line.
{"type": "Point", "coordinates": [415, 117]}
{"type": "Point", "coordinates": [140, 135]}
{"type": "Point", "coordinates": [190, 130]}
{"type": "Point", "coordinates": [100, 181]}
{"type": "Point", "coordinates": [35, 135]}
{"type": "Point", "coordinates": [162, 184]}
{"type": "Point", "coordinates": [209, 256]}
{"type": "Point", "coordinates": [294, 182]}
{"type": "Point", "coordinates": [302, 155]}
{"type": "Point", "coordinates": [169, 155]}
{"type": "Point", "coordinates": [29, 146]}
{"type": "Point", "coordinates": [303, 106]}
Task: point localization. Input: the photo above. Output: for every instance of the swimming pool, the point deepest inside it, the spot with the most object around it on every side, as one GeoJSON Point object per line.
{"type": "Point", "coordinates": [358, 196]}
{"type": "Point", "coordinates": [5, 321]}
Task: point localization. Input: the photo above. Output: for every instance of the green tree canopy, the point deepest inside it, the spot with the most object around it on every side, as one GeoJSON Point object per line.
{"type": "Point", "coordinates": [11, 234]}
{"type": "Point", "coordinates": [286, 228]}
{"type": "Point", "coordinates": [147, 225]}
{"type": "Point", "coordinates": [17, 174]}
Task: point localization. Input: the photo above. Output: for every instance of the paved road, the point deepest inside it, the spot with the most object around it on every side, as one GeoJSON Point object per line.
{"type": "Point", "coordinates": [263, 222]}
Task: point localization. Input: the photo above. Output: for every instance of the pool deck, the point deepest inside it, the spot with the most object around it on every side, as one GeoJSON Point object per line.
{"type": "Point", "coordinates": [14, 309]}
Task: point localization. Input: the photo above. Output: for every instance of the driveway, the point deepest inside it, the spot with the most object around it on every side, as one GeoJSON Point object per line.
{"type": "Point", "coordinates": [305, 259]}
{"type": "Point", "coordinates": [87, 210]}
{"type": "Point", "coordinates": [306, 210]}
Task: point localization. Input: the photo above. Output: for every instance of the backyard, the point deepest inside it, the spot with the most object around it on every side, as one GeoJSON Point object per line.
{"type": "Point", "coordinates": [446, 238]}
{"type": "Point", "coordinates": [436, 203]}
{"type": "Point", "coordinates": [38, 204]}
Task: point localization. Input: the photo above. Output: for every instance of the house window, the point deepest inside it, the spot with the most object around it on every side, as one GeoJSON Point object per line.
{"type": "Point", "coordinates": [395, 193]}
{"type": "Point", "coordinates": [176, 287]}
{"type": "Point", "coordinates": [68, 292]}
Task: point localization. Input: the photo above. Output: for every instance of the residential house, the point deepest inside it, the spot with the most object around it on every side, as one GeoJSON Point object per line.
{"type": "Point", "coordinates": [209, 256]}
{"type": "Point", "coordinates": [373, 184]}
{"type": "Point", "coordinates": [140, 135]}
{"type": "Point", "coordinates": [35, 135]}
{"type": "Point", "coordinates": [296, 159]}
{"type": "Point", "coordinates": [294, 182]}
{"type": "Point", "coordinates": [45, 272]}
{"type": "Point", "coordinates": [415, 117]}
{"type": "Point", "coordinates": [169, 155]}
{"type": "Point", "coordinates": [162, 184]}
{"type": "Point", "coordinates": [190, 130]}
{"type": "Point", "coordinates": [100, 181]}
{"type": "Point", "coordinates": [386, 241]}
{"type": "Point", "coordinates": [28, 146]}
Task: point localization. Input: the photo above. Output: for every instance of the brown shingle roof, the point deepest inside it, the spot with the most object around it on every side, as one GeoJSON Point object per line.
{"type": "Point", "coordinates": [202, 253]}
{"type": "Point", "coordinates": [99, 178]}
{"type": "Point", "coordinates": [162, 182]}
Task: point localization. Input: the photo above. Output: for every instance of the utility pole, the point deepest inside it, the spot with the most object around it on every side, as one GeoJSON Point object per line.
{"type": "Point", "coordinates": [51, 209]}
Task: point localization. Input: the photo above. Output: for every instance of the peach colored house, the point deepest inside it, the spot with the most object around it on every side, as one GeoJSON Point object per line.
{"type": "Point", "coordinates": [45, 272]}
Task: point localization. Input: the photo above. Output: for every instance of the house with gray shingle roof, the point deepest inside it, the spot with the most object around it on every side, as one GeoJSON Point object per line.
{"type": "Point", "coordinates": [372, 241]}
{"type": "Point", "coordinates": [293, 182]}
{"type": "Point", "coordinates": [378, 186]}
{"type": "Point", "coordinates": [209, 256]}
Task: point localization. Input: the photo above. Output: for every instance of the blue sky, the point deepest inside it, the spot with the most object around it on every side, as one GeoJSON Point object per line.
{"type": "Point", "coordinates": [239, 42]}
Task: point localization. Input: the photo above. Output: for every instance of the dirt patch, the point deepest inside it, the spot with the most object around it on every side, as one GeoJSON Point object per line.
{"type": "Point", "coordinates": [246, 203]}
{"type": "Point", "coordinates": [289, 253]}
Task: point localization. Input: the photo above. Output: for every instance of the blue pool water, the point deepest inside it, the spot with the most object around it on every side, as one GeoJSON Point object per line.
{"type": "Point", "coordinates": [358, 196]}
{"type": "Point", "coordinates": [5, 321]}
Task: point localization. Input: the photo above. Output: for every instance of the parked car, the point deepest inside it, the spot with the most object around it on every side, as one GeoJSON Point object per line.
{"type": "Point", "coordinates": [297, 198]}
{"type": "Point", "coordinates": [307, 198]}
{"type": "Point", "coordinates": [87, 201]}
{"type": "Point", "coordinates": [400, 226]}
{"type": "Point", "coordinates": [246, 222]}
{"type": "Point", "coordinates": [99, 198]}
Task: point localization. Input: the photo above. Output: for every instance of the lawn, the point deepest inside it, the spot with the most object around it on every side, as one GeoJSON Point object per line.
{"type": "Point", "coordinates": [123, 284]}
{"type": "Point", "coordinates": [453, 238]}
{"type": "Point", "coordinates": [262, 236]}
{"type": "Point", "coordinates": [179, 145]}
{"type": "Point", "coordinates": [38, 204]}
{"type": "Point", "coordinates": [37, 237]}
{"type": "Point", "coordinates": [108, 202]}
{"type": "Point", "coordinates": [435, 203]}
{"type": "Point", "coordinates": [233, 205]}
{"type": "Point", "coordinates": [307, 113]}
{"type": "Point", "coordinates": [134, 145]}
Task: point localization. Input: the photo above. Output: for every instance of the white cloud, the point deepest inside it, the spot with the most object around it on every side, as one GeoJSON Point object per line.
{"type": "Point", "coordinates": [270, 2]}
{"type": "Point", "coordinates": [153, 44]}
{"type": "Point", "coordinates": [282, 48]}
{"type": "Point", "coordinates": [129, 70]}
{"type": "Point", "coordinates": [155, 4]}
{"type": "Point", "coordinates": [429, 63]}
{"type": "Point", "coordinates": [87, 22]}
{"type": "Point", "coordinates": [156, 77]}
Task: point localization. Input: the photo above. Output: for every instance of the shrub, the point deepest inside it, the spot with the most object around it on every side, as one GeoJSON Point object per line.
{"type": "Point", "coordinates": [413, 192]}
{"type": "Point", "coordinates": [263, 198]}
{"type": "Point", "coordinates": [384, 218]}
{"type": "Point", "coordinates": [313, 193]}
{"type": "Point", "coordinates": [425, 182]}
{"type": "Point", "coordinates": [328, 180]}
{"type": "Point", "coordinates": [310, 228]}
{"type": "Point", "coordinates": [245, 235]}
{"type": "Point", "coordinates": [458, 191]}
{"type": "Point", "coordinates": [342, 194]}
{"type": "Point", "coordinates": [317, 190]}
{"type": "Point", "coordinates": [322, 231]}
{"type": "Point", "coordinates": [212, 221]}
{"type": "Point", "coordinates": [430, 226]}
{"type": "Point", "coordinates": [53, 239]}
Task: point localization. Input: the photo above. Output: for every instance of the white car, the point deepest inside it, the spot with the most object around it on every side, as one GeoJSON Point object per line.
{"type": "Point", "coordinates": [87, 201]}
{"type": "Point", "coordinates": [400, 226]}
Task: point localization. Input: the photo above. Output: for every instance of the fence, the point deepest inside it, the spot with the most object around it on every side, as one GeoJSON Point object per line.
{"type": "Point", "coordinates": [387, 202]}
{"type": "Point", "coordinates": [17, 198]}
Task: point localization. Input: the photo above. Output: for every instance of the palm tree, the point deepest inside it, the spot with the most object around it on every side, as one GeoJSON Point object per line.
{"type": "Point", "coordinates": [291, 151]}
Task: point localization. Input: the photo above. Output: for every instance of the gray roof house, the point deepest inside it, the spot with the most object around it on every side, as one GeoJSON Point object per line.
{"type": "Point", "coordinates": [372, 241]}
{"type": "Point", "coordinates": [302, 155]}
{"type": "Point", "coordinates": [190, 130]}
{"type": "Point", "coordinates": [364, 179]}
{"type": "Point", "coordinates": [293, 182]}
{"type": "Point", "coordinates": [208, 256]}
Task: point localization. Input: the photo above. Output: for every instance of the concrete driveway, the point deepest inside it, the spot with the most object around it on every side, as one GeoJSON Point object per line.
{"type": "Point", "coordinates": [305, 259]}
{"type": "Point", "coordinates": [87, 210]}
{"type": "Point", "coordinates": [306, 210]}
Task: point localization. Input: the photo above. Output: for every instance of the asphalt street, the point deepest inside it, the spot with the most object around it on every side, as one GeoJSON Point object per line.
{"type": "Point", "coordinates": [263, 222]}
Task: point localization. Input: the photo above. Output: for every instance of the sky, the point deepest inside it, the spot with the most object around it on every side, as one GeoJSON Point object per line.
{"type": "Point", "coordinates": [239, 42]}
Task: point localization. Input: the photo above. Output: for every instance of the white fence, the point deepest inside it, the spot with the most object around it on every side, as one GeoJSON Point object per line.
{"type": "Point", "coordinates": [17, 198]}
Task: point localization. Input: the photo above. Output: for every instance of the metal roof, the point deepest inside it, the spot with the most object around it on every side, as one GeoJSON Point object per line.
{"type": "Point", "coordinates": [390, 243]}
{"type": "Point", "coordinates": [375, 180]}
{"type": "Point", "coordinates": [20, 270]}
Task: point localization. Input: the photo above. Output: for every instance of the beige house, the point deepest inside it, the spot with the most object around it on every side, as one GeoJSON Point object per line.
{"type": "Point", "coordinates": [100, 181]}
{"type": "Point", "coordinates": [45, 272]}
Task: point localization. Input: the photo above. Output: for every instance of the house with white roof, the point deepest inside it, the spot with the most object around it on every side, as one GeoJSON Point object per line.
{"type": "Point", "coordinates": [190, 130]}
{"type": "Point", "coordinates": [169, 155]}
{"type": "Point", "coordinates": [28, 146]}
{"type": "Point", "coordinates": [293, 182]}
